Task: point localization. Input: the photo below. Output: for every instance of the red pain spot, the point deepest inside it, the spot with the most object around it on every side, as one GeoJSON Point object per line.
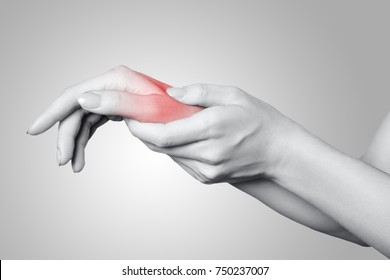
{"type": "Point", "coordinates": [158, 107]}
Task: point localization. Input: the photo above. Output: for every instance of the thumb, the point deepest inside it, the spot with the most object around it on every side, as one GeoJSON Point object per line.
{"type": "Point", "coordinates": [118, 103]}
{"type": "Point", "coordinates": [206, 95]}
{"type": "Point", "coordinates": [143, 108]}
{"type": "Point", "coordinates": [104, 102]}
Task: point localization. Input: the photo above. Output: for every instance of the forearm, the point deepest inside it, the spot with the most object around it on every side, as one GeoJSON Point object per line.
{"type": "Point", "coordinates": [295, 208]}
{"type": "Point", "coordinates": [353, 193]}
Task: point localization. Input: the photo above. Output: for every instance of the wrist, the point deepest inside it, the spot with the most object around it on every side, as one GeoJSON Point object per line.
{"type": "Point", "coordinates": [299, 152]}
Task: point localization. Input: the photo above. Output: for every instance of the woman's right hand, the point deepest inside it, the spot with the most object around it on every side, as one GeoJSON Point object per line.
{"type": "Point", "coordinates": [120, 92]}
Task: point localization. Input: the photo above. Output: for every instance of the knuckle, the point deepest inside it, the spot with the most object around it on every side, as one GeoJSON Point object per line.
{"type": "Point", "coordinates": [162, 141]}
{"type": "Point", "coordinates": [120, 72]}
{"type": "Point", "coordinates": [197, 88]}
{"type": "Point", "coordinates": [198, 91]}
{"type": "Point", "coordinates": [210, 175]}
{"type": "Point", "coordinates": [121, 68]}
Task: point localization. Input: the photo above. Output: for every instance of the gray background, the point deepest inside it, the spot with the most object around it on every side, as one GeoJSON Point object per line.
{"type": "Point", "coordinates": [324, 64]}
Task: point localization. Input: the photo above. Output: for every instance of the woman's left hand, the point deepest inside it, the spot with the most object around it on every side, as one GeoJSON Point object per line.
{"type": "Point", "coordinates": [236, 138]}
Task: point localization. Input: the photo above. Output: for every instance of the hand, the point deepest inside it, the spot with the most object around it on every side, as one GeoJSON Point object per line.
{"type": "Point", "coordinates": [236, 138]}
{"type": "Point", "coordinates": [121, 92]}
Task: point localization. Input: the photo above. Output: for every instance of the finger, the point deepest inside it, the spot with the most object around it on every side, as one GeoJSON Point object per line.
{"type": "Point", "coordinates": [67, 133]}
{"type": "Point", "coordinates": [118, 78]}
{"type": "Point", "coordinates": [206, 95]}
{"type": "Point", "coordinates": [176, 133]}
{"type": "Point", "coordinates": [94, 127]}
{"type": "Point", "coordinates": [199, 151]}
{"type": "Point", "coordinates": [66, 103]}
{"type": "Point", "coordinates": [78, 160]}
{"type": "Point", "coordinates": [153, 108]}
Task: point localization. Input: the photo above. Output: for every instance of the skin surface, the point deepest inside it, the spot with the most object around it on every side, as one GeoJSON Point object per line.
{"type": "Point", "coordinates": [237, 139]}
{"type": "Point", "coordinates": [349, 191]}
{"type": "Point", "coordinates": [130, 93]}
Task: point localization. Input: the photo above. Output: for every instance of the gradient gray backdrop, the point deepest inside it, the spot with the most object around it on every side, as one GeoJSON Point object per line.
{"type": "Point", "coordinates": [324, 64]}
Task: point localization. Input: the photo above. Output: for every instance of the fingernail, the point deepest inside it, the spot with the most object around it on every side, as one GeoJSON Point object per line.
{"type": "Point", "coordinates": [32, 129]}
{"type": "Point", "coordinates": [175, 92]}
{"type": "Point", "coordinates": [59, 157]}
{"type": "Point", "coordinates": [76, 169]}
{"type": "Point", "coordinates": [89, 100]}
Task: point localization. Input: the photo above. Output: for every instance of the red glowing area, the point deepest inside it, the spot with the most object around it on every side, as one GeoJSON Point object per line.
{"type": "Point", "coordinates": [152, 104]}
